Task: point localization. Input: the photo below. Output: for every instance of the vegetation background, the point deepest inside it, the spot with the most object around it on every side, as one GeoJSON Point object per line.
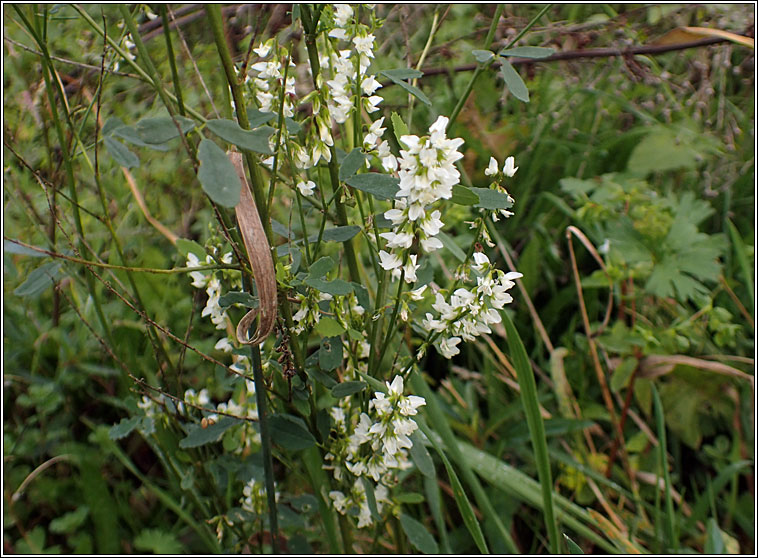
{"type": "Point", "coordinates": [636, 179]}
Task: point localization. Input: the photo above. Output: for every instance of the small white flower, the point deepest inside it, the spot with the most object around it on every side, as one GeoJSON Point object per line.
{"type": "Point", "coordinates": [263, 50]}
{"type": "Point", "coordinates": [509, 168]}
{"type": "Point", "coordinates": [306, 188]}
{"type": "Point", "coordinates": [491, 168]}
{"type": "Point", "coordinates": [448, 347]}
{"type": "Point", "coordinates": [224, 345]}
{"type": "Point", "coordinates": [338, 33]}
{"type": "Point", "coordinates": [389, 261]}
{"type": "Point", "coordinates": [481, 261]}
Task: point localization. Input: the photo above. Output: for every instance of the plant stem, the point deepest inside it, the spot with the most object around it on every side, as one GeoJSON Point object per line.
{"type": "Point", "coordinates": [171, 59]}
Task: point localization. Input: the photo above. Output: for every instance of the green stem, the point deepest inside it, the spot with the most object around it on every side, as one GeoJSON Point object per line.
{"type": "Point", "coordinates": [171, 59]}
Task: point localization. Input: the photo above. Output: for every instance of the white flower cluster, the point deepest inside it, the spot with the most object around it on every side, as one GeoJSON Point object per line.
{"type": "Point", "coordinates": [469, 313]}
{"type": "Point", "coordinates": [268, 75]}
{"type": "Point", "coordinates": [427, 173]}
{"type": "Point", "coordinates": [254, 497]}
{"type": "Point", "coordinates": [509, 170]}
{"type": "Point", "coordinates": [371, 446]}
{"type": "Point", "coordinates": [212, 286]}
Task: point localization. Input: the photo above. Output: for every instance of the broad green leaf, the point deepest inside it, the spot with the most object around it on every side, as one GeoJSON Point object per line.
{"type": "Point", "coordinates": [382, 186]}
{"type": "Point", "coordinates": [483, 56]}
{"type": "Point", "coordinates": [123, 428]}
{"type": "Point", "coordinates": [10, 247]}
{"type": "Point", "coordinates": [290, 432]}
{"type": "Point", "coordinates": [329, 327]}
{"type": "Point", "coordinates": [352, 164]}
{"type": "Point", "coordinates": [527, 52]}
{"type": "Point", "coordinates": [69, 522]}
{"type": "Point", "coordinates": [257, 118]}
{"type": "Point", "coordinates": [40, 279]}
{"type": "Point", "coordinates": [464, 196]}
{"type": "Point", "coordinates": [110, 125]}
{"type": "Point", "coordinates": [714, 542]}
{"type": "Point", "coordinates": [335, 287]}
{"type": "Point", "coordinates": [321, 267]}
{"type": "Point", "coordinates": [252, 140]}
{"type": "Point", "coordinates": [401, 73]}
{"type": "Point", "coordinates": [421, 457]}
{"type": "Point", "coordinates": [158, 541]}
{"type": "Point", "coordinates": [492, 199]}
{"type": "Point", "coordinates": [199, 436]}
{"type": "Point", "coordinates": [417, 534]}
{"type": "Point", "coordinates": [121, 153]}
{"type": "Point", "coordinates": [397, 76]}
{"type": "Point", "coordinates": [190, 247]}
{"type": "Point", "coordinates": [130, 134]}
{"type": "Point", "coordinates": [663, 150]}
{"type": "Point", "coordinates": [346, 389]}
{"type": "Point", "coordinates": [450, 244]}
{"type": "Point", "coordinates": [399, 126]}
{"type": "Point", "coordinates": [238, 297]}
{"type": "Point", "coordinates": [513, 81]}
{"type": "Point", "coordinates": [162, 129]}
{"type": "Point", "coordinates": [217, 175]}
{"type": "Point", "coordinates": [622, 374]}
{"type": "Point", "coordinates": [330, 353]}
{"type": "Point", "coordinates": [338, 234]}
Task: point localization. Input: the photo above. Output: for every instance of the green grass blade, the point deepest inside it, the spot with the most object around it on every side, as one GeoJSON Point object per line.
{"type": "Point", "coordinates": [672, 541]}
{"type": "Point", "coordinates": [536, 427]}
{"type": "Point", "coordinates": [739, 249]}
{"type": "Point", "coordinates": [313, 462]}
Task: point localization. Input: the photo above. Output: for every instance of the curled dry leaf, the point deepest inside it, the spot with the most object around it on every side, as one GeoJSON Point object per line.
{"type": "Point", "coordinates": [259, 254]}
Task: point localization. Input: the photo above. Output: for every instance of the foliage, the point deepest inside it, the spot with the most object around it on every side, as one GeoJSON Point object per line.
{"type": "Point", "coordinates": [468, 356]}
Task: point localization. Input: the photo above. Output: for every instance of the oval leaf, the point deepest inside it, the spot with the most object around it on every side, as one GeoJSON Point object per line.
{"type": "Point", "coordinates": [483, 56]}
{"type": "Point", "coordinates": [418, 535]}
{"type": "Point", "coordinates": [217, 175]}
{"type": "Point", "coordinates": [421, 456]}
{"type": "Point", "coordinates": [40, 279]}
{"type": "Point", "coordinates": [329, 327]}
{"type": "Point", "coordinates": [464, 196]}
{"type": "Point", "coordinates": [492, 199]}
{"type": "Point", "coordinates": [352, 163]}
{"type": "Point", "coordinates": [252, 140]}
{"type": "Point", "coordinates": [321, 267]}
{"type": "Point", "coordinates": [123, 428]}
{"type": "Point", "coordinates": [199, 436]}
{"type": "Point", "coordinates": [339, 234]}
{"type": "Point", "coordinates": [527, 52]}
{"type": "Point", "coordinates": [290, 433]}
{"type": "Point", "coordinates": [330, 353]}
{"type": "Point", "coordinates": [336, 287]}
{"type": "Point", "coordinates": [382, 186]}
{"type": "Point", "coordinates": [513, 81]}
{"type": "Point", "coordinates": [346, 389]}
{"type": "Point", "coordinates": [162, 129]}
{"type": "Point", "coordinates": [121, 153]}
{"type": "Point", "coordinates": [130, 134]}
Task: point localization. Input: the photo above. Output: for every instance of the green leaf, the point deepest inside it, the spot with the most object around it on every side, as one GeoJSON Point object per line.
{"type": "Point", "coordinates": [321, 267]}
{"type": "Point", "coordinates": [421, 457]}
{"type": "Point", "coordinates": [252, 140]}
{"type": "Point", "coordinates": [40, 279]}
{"type": "Point", "coordinates": [622, 374]}
{"type": "Point", "coordinates": [492, 199]}
{"type": "Point", "coordinates": [573, 548]}
{"type": "Point", "coordinates": [714, 542]}
{"type": "Point", "coordinates": [368, 486]}
{"type": "Point", "coordinates": [158, 541]}
{"type": "Point", "coordinates": [123, 428]}
{"type": "Point", "coordinates": [352, 164]}
{"type": "Point", "coordinates": [335, 287]}
{"type": "Point", "coordinates": [381, 186]}
{"type": "Point", "coordinates": [663, 150]}
{"type": "Point", "coordinates": [417, 534]}
{"type": "Point", "coordinates": [10, 247]}
{"type": "Point", "coordinates": [190, 247]}
{"type": "Point", "coordinates": [121, 153]}
{"type": "Point", "coordinates": [162, 129]}
{"type": "Point", "coordinates": [257, 118]}
{"type": "Point", "coordinates": [527, 52]}
{"type": "Point", "coordinates": [397, 76]}
{"type": "Point", "coordinates": [290, 432]}
{"type": "Point", "coordinates": [130, 134]}
{"type": "Point", "coordinates": [238, 297]}
{"type": "Point", "coordinates": [399, 126]}
{"type": "Point", "coordinates": [346, 389]}
{"type": "Point", "coordinates": [513, 81]}
{"type": "Point", "coordinates": [338, 234]}
{"type": "Point", "coordinates": [450, 244]}
{"type": "Point", "coordinates": [483, 56]}
{"type": "Point", "coordinates": [113, 123]}
{"type": "Point", "coordinates": [199, 436]}
{"type": "Point", "coordinates": [217, 175]}
{"type": "Point", "coordinates": [329, 327]}
{"type": "Point", "coordinates": [69, 522]}
{"type": "Point", "coordinates": [464, 196]}
{"type": "Point", "coordinates": [410, 498]}
{"type": "Point", "coordinates": [330, 353]}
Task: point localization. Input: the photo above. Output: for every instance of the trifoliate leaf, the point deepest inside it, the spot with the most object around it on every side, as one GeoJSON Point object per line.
{"type": "Point", "coordinates": [252, 140]}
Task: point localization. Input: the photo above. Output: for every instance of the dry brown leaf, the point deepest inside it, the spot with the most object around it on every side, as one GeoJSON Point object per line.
{"type": "Point", "coordinates": [261, 262]}
{"type": "Point", "coordinates": [688, 34]}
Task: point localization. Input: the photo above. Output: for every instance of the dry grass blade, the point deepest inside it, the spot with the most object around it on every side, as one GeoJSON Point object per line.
{"type": "Point", "coordinates": [259, 254]}
{"type": "Point", "coordinates": [682, 35]}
